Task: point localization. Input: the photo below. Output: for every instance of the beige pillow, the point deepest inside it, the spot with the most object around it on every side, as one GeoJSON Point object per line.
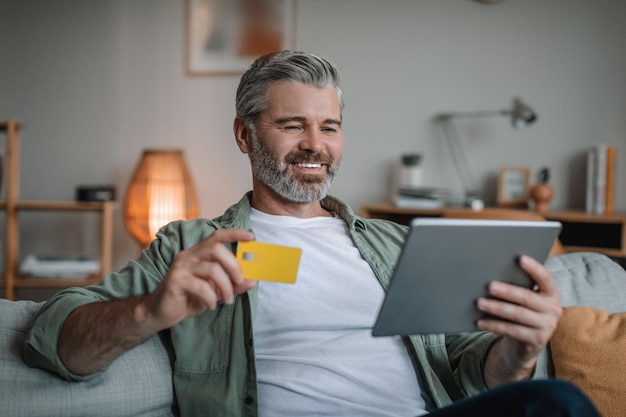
{"type": "Point", "coordinates": [589, 349]}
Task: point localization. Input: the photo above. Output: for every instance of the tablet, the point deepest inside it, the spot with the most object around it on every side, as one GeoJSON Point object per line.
{"type": "Point", "coordinates": [445, 266]}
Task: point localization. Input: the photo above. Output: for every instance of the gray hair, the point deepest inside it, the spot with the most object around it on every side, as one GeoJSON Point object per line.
{"type": "Point", "coordinates": [295, 66]}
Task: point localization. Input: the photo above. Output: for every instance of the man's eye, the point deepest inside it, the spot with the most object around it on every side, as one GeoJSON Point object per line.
{"type": "Point", "coordinates": [329, 130]}
{"type": "Point", "coordinates": [293, 128]}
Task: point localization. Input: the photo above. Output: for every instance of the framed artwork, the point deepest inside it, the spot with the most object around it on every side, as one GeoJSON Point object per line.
{"type": "Point", "coordinates": [513, 187]}
{"type": "Point", "coordinates": [226, 36]}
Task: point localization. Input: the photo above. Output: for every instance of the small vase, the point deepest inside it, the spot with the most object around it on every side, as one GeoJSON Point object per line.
{"type": "Point", "coordinates": [542, 194]}
{"type": "Point", "coordinates": [410, 172]}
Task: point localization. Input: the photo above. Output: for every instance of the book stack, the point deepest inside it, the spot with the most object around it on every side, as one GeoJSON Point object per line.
{"type": "Point", "coordinates": [600, 180]}
{"type": "Point", "coordinates": [57, 267]}
{"type": "Point", "coordinates": [421, 197]}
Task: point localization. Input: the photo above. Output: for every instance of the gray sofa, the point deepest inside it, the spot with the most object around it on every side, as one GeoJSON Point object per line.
{"type": "Point", "coordinates": [139, 383]}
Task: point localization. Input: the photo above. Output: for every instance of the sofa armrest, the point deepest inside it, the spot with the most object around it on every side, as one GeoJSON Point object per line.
{"type": "Point", "coordinates": [138, 383]}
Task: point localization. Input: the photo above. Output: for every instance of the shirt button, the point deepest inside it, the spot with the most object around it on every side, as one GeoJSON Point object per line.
{"type": "Point", "coordinates": [249, 400]}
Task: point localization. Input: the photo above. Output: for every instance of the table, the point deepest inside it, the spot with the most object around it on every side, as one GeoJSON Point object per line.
{"type": "Point", "coordinates": [581, 231]}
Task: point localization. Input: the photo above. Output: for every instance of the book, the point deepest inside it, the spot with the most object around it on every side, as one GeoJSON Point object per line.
{"type": "Point", "coordinates": [38, 266]}
{"type": "Point", "coordinates": [610, 180]}
{"type": "Point", "coordinates": [590, 196]}
{"type": "Point", "coordinates": [421, 197]}
{"type": "Point", "coordinates": [416, 202]}
{"type": "Point", "coordinates": [600, 181]}
{"type": "Point", "coordinates": [424, 192]}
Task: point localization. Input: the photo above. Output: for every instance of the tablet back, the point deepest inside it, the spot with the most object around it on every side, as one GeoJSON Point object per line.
{"type": "Point", "coordinates": [446, 264]}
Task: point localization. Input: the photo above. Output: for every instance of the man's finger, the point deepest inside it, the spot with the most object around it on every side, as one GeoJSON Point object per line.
{"type": "Point", "coordinates": [539, 274]}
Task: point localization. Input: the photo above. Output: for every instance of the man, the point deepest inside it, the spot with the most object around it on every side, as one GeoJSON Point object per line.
{"type": "Point", "coordinates": [244, 348]}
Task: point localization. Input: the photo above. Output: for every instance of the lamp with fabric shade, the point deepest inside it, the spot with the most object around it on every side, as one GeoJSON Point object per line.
{"type": "Point", "coordinates": [160, 191]}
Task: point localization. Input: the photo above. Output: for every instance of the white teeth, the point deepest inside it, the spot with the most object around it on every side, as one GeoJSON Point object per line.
{"type": "Point", "coordinates": [301, 165]}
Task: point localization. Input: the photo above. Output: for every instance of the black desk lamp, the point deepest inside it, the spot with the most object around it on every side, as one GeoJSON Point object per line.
{"type": "Point", "coordinates": [521, 116]}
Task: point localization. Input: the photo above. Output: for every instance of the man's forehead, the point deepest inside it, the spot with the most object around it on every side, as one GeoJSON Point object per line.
{"type": "Point", "coordinates": [298, 99]}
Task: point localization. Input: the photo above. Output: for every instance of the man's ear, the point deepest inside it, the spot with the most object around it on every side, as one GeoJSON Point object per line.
{"type": "Point", "coordinates": [242, 134]}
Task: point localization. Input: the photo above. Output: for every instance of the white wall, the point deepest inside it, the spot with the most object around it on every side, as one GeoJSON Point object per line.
{"type": "Point", "coordinates": [95, 82]}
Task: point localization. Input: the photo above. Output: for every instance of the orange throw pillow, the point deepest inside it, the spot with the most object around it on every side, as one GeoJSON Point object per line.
{"type": "Point", "coordinates": [588, 349]}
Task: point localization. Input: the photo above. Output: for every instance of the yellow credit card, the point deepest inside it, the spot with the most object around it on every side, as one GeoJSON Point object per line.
{"type": "Point", "coordinates": [268, 262]}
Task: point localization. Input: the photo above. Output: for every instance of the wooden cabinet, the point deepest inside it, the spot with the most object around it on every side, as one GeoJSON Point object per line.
{"type": "Point", "coordinates": [581, 231]}
{"type": "Point", "coordinates": [592, 232]}
{"type": "Point", "coordinates": [398, 215]}
{"type": "Point", "coordinates": [11, 280]}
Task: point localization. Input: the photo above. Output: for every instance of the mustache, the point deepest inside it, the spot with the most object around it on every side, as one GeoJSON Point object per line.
{"type": "Point", "coordinates": [309, 158]}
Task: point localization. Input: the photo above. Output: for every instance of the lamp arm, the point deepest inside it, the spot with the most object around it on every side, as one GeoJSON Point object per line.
{"type": "Point", "coordinates": [456, 115]}
{"type": "Point", "coordinates": [459, 157]}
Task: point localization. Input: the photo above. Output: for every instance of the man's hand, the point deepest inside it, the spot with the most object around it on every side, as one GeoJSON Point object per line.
{"type": "Point", "coordinates": [529, 318]}
{"type": "Point", "coordinates": [198, 279]}
{"type": "Point", "coordinates": [95, 334]}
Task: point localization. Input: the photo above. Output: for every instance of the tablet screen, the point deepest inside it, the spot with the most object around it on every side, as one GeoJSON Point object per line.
{"type": "Point", "coordinates": [446, 264]}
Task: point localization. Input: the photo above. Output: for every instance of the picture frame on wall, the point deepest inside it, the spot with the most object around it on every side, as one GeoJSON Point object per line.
{"type": "Point", "coordinates": [226, 36]}
{"type": "Point", "coordinates": [513, 187]}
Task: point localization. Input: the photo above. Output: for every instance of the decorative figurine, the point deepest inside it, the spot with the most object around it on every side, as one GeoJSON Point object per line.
{"type": "Point", "coordinates": [542, 192]}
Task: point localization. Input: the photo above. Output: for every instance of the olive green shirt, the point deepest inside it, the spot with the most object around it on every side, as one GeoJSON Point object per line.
{"type": "Point", "coordinates": [214, 369]}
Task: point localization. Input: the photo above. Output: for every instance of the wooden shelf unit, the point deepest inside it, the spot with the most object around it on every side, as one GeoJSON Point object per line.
{"type": "Point", "coordinates": [12, 205]}
{"type": "Point", "coordinates": [581, 231]}
{"type": "Point", "coordinates": [605, 233]}
{"type": "Point", "coordinates": [399, 215]}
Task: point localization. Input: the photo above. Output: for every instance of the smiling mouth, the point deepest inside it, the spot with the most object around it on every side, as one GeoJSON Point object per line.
{"type": "Point", "coordinates": [307, 165]}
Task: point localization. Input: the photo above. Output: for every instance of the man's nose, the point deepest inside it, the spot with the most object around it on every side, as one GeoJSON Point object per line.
{"type": "Point", "coordinates": [312, 140]}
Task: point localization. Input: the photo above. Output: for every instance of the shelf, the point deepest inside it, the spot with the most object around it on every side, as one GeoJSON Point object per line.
{"type": "Point", "coordinates": [12, 205]}
{"type": "Point", "coordinates": [386, 208]}
{"type": "Point", "coordinates": [31, 282]}
{"type": "Point", "coordinates": [581, 216]}
{"type": "Point", "coordinates": [58, 205]}
{"type": "Point", "coordinates": [581, 231]}
{"type": "Point", "coordinates": [398, 215]}
{"type": "Point", "coordinates": [5, 125]}
{"type": "Point", "coordinates": [592, 232]}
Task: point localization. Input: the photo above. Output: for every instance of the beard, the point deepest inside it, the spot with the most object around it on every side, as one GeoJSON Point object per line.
{"type": "Point", "coordinates": [300, 188]}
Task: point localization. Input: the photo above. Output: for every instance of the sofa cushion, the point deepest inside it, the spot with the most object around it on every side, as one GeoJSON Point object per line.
{"type": "Point", "coordinates": [589, 279]}
{"type": "Point", "coordinates": [588, 350]}
{"type": "Point", "coordinates": [584, 279]}
{"type": "Point", "coordinates": [139, 383]}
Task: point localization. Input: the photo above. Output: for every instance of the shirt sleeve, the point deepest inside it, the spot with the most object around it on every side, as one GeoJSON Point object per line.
{"type": "Point", "coordinates": [467, 353]}
{"type": "Point", "coordinates": [40, 346]}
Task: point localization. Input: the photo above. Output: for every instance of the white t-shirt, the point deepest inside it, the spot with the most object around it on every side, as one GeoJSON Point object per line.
{"type": "Point", "coordinates": [314, 350]}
